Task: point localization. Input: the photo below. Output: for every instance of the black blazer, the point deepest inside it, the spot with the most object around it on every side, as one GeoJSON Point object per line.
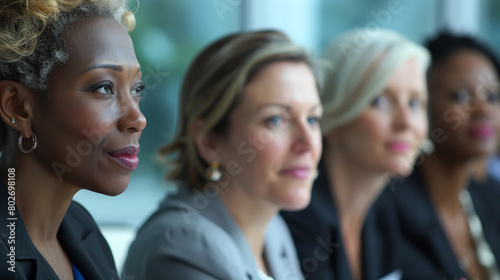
{"type": "Point", "coordinates": [317, 236]}
{"type": "Point", "coordinates": [79, 236]}
{"type": "Point", "coordinates": [428, 254]}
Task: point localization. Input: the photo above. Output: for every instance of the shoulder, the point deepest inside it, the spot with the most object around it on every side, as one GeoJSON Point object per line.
{"type": "Point", "coordinates": [182, 235]}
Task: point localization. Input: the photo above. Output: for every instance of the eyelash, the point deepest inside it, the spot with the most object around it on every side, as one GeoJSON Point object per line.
{"type": "Point", "coordinates": [275, 121]}
{"type": "Point", "coordinates": [100, 85]}
{"type": "Point", "coordinates": [108, 84]}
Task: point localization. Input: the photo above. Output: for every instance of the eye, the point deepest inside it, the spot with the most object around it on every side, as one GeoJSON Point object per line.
{"type": "Point", "coordinates": [416, 103]}
{"type": "Point", "coordinates": [275, 121]}
{"type": "Point", "coordinates": [461, 96]}
{"type": "Point", "coordinates": [493, 97]}
{"type": "Point", "coordinates": [105, 87]}
{"type": "Point", "coordinates": [313, 121]}
{"type": "Point", "coordinates": [137, 91]}
{"type": "Point", "coordinates": [380, 101]}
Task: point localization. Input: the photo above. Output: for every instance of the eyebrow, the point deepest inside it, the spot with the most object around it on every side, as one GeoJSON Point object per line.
{"type": "Point", "coordinates": [286, 107]}
{"type": "Point", "coordinates": [107, 66]}
{"type": "Point", "coordinates": [103, 66]}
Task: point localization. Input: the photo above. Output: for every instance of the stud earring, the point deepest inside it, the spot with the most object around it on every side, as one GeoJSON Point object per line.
{"type": "Point", "coordinates": [213, 173]}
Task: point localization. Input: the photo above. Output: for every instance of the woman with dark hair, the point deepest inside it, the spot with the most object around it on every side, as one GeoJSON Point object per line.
{"type": "Point", "coordinates": [70, 85]}
{"type": "Point", "coordinates": [450, 222]}
{"type": "Point", "coordinates": [248, 145]}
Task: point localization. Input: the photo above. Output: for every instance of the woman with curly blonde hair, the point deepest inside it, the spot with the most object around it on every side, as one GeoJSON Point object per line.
{"type": "Point", "coordinates": [70, 85]}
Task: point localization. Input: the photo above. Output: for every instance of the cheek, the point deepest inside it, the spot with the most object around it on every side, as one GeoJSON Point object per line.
{"type": "Point", "coordinates": [420, 126]}
{"type": "Point", "coordinates": [373, 128]}
{"type": "Point", "coordinates": [85, 119]}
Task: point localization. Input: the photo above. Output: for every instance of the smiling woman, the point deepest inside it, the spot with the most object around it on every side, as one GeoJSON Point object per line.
{"type": "Point", "coordinates": [71, 121]}
{"type": "Point", "coordinates": [248, 145]}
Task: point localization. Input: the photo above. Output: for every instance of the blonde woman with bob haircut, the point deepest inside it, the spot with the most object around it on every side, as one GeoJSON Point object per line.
{"type": "Point", "coordinates": [70, 86]}
{"type": "Point", "coordinates": [248, 145]}
{"type": "Point", "coordinates": [374, 125]}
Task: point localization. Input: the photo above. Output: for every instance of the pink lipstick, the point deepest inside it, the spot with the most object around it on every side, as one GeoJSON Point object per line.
{"type": "Point", "coordinates": [126, 157]}
{"type": "Point", "coordinates": [297, 172]}
{"type": "Point", "coordinates": [482, 132]}
{"type": "Point", "coordinates": [398, 147]}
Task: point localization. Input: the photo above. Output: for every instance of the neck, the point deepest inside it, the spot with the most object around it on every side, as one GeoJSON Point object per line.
{"type": "Point", "coordinates": [445, 180]}
{"type": "Point", "coordinates": [40, 199]}
{"type": "Point", "coordinates": [354, 188]}
{"type": "Point", "coordinates": [252, 215]}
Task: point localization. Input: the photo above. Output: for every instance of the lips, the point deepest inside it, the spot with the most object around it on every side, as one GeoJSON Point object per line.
{"type": "Point", "coordinates": [482, 132]}
{"type": "Point", "coordinates": [398, 147]}
{"type": "Point", "coordinates": [126, 157]}
{"type": "Point", "coordinates": [299, 172]}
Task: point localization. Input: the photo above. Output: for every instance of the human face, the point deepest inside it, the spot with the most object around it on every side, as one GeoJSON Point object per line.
{"type": "Point", "coordinates": [387, 135]}
{"type": "Point", "coordinates": [274, 136]}
{"type": "Point", "coordinates": [464, 105]}
{"type": "Point", "coordinates": [89, 129]}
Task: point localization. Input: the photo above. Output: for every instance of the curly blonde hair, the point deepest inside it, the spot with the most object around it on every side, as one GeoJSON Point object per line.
{"type": "Point", "coordinates": [30, 34]}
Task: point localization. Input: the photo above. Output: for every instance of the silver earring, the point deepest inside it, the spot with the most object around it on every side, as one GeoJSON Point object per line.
{"type": "Point", "coordinates": [13, 120]}
{"type": "Point", "coordinates": [316, 175]}
{"type": "Point", "coordinates": [33, 145]}
{"type": "Point", "coordinates": [213, 173]}
{"type": "Point", "coordinates": [427, 146]}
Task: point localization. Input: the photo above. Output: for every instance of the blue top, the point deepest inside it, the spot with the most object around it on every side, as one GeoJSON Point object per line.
{"type": "Point", "coordinates": [76, 273]}
{"type": "Point", "coordinates": [494, 167]}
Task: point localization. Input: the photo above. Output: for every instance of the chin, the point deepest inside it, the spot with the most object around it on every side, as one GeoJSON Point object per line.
{"type": "Point", "coordinates": [111, 188]}
{"type": "Point", "coordinates": [298, 201]}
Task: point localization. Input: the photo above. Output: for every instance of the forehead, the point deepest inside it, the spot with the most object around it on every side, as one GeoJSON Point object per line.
{"type": "Point", "coordinates": [469, 65]}
{"type": "Point", "coordinates": [97, 40]}
{"type": "Point", "coordinates": [286, 81]}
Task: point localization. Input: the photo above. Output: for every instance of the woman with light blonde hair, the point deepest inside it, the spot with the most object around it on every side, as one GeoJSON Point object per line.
{"type": "Point", "coordinates": [374, 124]}
{"type": "Point", "coordinates": [70, 85]}
{"type": "Point", "coordinates": [248, 145]}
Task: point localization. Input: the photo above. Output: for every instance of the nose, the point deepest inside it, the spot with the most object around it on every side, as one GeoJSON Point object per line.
{"type": "Point", "coordinates": [401, 118]}
{"type": "Point", "coordinates": [483, 107]}
{"type": "Point", "coordinates": [131, 117]}
{"type": "Point", "coordinates": [305, 137]}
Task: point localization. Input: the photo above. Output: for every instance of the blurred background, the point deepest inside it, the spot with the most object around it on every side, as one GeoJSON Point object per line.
{"type": "Point", "coordinates": [169, 33]}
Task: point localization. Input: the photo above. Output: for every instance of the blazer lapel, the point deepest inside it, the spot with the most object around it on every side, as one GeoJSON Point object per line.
{"type": "Point", "coordinates": [423, 226]}
{"type": "Point", "coordinates": [77, 242]}
{"type": "Point", "coordinates": [279, 252]}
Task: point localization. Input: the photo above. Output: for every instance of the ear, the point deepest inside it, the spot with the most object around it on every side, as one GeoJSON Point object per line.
{"type": "Point", "coordinates": [16, 101]}
{"type": "Point", "coordinates": [207, 142]}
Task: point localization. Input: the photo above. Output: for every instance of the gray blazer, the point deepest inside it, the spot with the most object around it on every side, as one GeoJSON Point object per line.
{"type": "Point", "coordinates": [193, 237]}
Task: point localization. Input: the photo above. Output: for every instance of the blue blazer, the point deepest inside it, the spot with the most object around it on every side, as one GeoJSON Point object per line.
{"type": "Point", "coordinates": [79, 236]}
{"type": "Point", "coordinates": [193, 236]}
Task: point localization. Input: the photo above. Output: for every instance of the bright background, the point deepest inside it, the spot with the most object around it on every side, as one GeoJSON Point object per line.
{"type": "Point", "coordinates": [169, 33]}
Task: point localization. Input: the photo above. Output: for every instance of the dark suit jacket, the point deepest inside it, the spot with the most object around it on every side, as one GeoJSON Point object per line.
{"type": "Point", "coordinates": [317, 236]}
{"type": "Point", "coordinates": [79, 235]}
{"type": "Point", "coordinates": [428, 254]}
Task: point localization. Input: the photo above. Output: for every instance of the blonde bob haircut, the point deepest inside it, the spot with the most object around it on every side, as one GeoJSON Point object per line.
{"type": "Point", "coordinates": [212, 87]}
{"type": "Point", "coordinates": [362, 62]}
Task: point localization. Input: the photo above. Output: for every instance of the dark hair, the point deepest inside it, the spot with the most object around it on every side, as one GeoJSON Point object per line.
{"type": "Point", "coordinates": [446, 43]}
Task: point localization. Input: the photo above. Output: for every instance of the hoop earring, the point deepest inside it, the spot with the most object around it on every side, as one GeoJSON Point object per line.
{"type": "Point", "coordinates": [213, 173]}
{"type": "Point", "coordinates": [33, 146]}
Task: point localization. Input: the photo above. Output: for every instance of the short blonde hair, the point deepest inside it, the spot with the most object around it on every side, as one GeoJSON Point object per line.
{"type": "Point", "coordinates": [212, 87]}
{"type": "Point", "coordinates": [361, 64]}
